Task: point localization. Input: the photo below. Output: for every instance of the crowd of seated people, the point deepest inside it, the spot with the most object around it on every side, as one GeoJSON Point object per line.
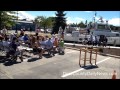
{"type": "Point", "coordinates": [39, 44]}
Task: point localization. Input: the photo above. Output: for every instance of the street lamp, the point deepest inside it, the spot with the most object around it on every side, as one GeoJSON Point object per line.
{"type": "Point", "coordinates": [16, 23]}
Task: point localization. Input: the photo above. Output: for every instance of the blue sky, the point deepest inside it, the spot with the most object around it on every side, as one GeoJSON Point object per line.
{"type": "Point", "coordinates": [113, 17]}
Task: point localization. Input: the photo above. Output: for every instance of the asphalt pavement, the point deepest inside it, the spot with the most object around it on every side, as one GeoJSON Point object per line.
{"type": "Point", "coordinates": [60, 67]}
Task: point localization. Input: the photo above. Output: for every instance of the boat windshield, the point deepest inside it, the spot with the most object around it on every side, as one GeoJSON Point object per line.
{"type": "Point", "coordinates": [105, 27]}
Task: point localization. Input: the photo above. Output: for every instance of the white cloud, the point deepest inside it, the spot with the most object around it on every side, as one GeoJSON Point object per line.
{"type": "Point", "coordinates": [97, 18]}
{"type": "Point", "coordinates": [53, 15]}
{"type": "Point", "coordinates": [114, 21]}
{"type": "Point", "coordinates": [88, 11]}
{"type": "Point", "coordinates": [74, 20]}
{"type": "Point", "coordinates": [24, 15]}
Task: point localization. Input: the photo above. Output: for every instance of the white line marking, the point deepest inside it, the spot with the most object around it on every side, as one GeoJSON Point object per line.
{"type": "Point", "coordinates": [83, 68]}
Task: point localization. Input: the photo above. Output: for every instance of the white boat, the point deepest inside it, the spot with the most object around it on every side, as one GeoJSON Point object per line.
{"type": "Point", "coordinates": [96, 29]}
{"type": "Point", "coordinates": [104, 29]}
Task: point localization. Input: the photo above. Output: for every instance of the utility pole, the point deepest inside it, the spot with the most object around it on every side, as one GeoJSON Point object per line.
{"type": "Point", "coordinates": [95, 14]}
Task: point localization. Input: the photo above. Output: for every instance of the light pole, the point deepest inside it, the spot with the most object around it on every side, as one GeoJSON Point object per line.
{"type": "Point", "coordinates": [16, 23]}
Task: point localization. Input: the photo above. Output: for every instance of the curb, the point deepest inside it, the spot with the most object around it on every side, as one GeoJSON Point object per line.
{"type": "Point", "coordinates": [76, 48]}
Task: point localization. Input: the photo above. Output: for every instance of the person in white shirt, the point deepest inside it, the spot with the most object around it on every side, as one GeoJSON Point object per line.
{"type": "Point", "coordinates": [37, 31]}
{"type": "Point", "coordinates": [90, 40]}
{"type": "Point", "coordinates": [53, 38]}
{"type": "Point", "coordinates": [11, 36]}
{"type": "Point", "coordinates": [6, 44]}
{"type": "Point", "coordinates": [4, 31]}
{"type": "Point", "coordinates": [43, 43]}
{"type": "Point", "coordinates": [49, 44]}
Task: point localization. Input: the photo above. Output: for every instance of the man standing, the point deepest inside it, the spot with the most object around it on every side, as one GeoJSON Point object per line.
{"type": "Point", "coordinates": [4, 31]}
{"type": "Point", "coordinates": [37, 32]}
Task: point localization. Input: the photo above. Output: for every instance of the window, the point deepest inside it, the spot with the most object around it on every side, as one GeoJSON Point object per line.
{"type": "Point", "coordinates": [117, 35]}
{"type": "Point", "coordinates": [101, 26]}
{"type": "Point", "coordinates": [80, 39]}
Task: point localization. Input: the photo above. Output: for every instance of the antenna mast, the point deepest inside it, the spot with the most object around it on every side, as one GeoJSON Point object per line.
{"type": "Point", "coordinates": [95, 14]}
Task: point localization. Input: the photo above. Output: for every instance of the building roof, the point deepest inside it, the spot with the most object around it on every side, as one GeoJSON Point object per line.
{"type": "Point", "coordinates": [24, 21]}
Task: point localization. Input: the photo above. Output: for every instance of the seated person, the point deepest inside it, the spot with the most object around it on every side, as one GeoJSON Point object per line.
{"type": "Point", "coordinates": [36, 48]}
{"type": "Point", "coordinates": [6, 44]}
{"type": "Point", "coordinates": [21, 37]}
{"type": "Point", "coordinates": [49, 45]}
{"type": "Point", "coordinates": [46, 37]}
{"type": "Point", "coordinates": [53, 38]}
{"type": "Point", "coordinates": [55, 43]}
{"type": "Point", "coordinates": [61, 45]}
{"type": "Point", "coordinates": [22, 32]}
{"type": "Point", "coordinates": [43, 43]}
{"type": "Point", "coordinates": [14, 48]}
{"type": "Point", "coordinates": [25, 38]}
{"type": "Point", "coordinates": [11, 37]}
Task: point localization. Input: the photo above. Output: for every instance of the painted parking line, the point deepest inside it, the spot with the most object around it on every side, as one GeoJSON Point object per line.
{"type": "Point", "coordinates": [76, 71]}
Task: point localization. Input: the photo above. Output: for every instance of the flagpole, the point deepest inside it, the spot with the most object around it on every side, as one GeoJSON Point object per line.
{"type": "Point", "coordinates": [95, 16]}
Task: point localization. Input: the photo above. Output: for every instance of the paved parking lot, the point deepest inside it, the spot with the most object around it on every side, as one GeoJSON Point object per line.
{"type": "Point", "coordinates": [60, 67]}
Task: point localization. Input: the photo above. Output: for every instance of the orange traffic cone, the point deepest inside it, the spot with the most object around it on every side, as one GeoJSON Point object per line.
{"type": "Point", "coordinates": [114, 75]}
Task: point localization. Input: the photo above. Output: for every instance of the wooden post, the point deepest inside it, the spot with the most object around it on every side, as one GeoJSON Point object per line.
{"type": "Point", "coordinates": [90, 56]}
{"type": "Point", "coordinates": [96, 56]}
{"type": "Point", "coordinates": [80, 58]}
{"type": "Point", "coordinates": [85, 58]}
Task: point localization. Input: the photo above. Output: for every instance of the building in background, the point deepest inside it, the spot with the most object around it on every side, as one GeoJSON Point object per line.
{"type": "Point", "coordinates": [24, 24]}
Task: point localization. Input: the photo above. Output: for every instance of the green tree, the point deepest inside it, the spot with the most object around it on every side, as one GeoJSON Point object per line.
{"type": "Point", "coordinates": [50, 22]}
{"type": "Point", "coordinates": [37, 21]}
{"type": "Point", "coordinates": [7, 19]}
{"type": "Point", "coordinates": [44, 22]}
{"type": "Point", "coordinates": [60, 21]}
{"type": "Point", "coordinates": [82, 25]}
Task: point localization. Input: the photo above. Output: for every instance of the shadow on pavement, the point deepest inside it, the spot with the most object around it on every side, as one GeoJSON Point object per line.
{"type": "Point", "coordinates": [27, 56]}
{"type": "Point", "coordinates": [2, 59]}
{"type": "Point", "coordinates": [47, 56]}
{"type": "Point", "coordinates": [32, 59]}
{"type": "Point", "coordinates": [7, 61]}
{"type": "Point", "coordinates": [90, 67]}
{"type": "Point", "coordinates": [10, 62]}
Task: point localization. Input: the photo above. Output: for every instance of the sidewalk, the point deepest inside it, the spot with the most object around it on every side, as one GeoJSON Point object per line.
{"type": "Point", "coordinates": [108, 50]}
